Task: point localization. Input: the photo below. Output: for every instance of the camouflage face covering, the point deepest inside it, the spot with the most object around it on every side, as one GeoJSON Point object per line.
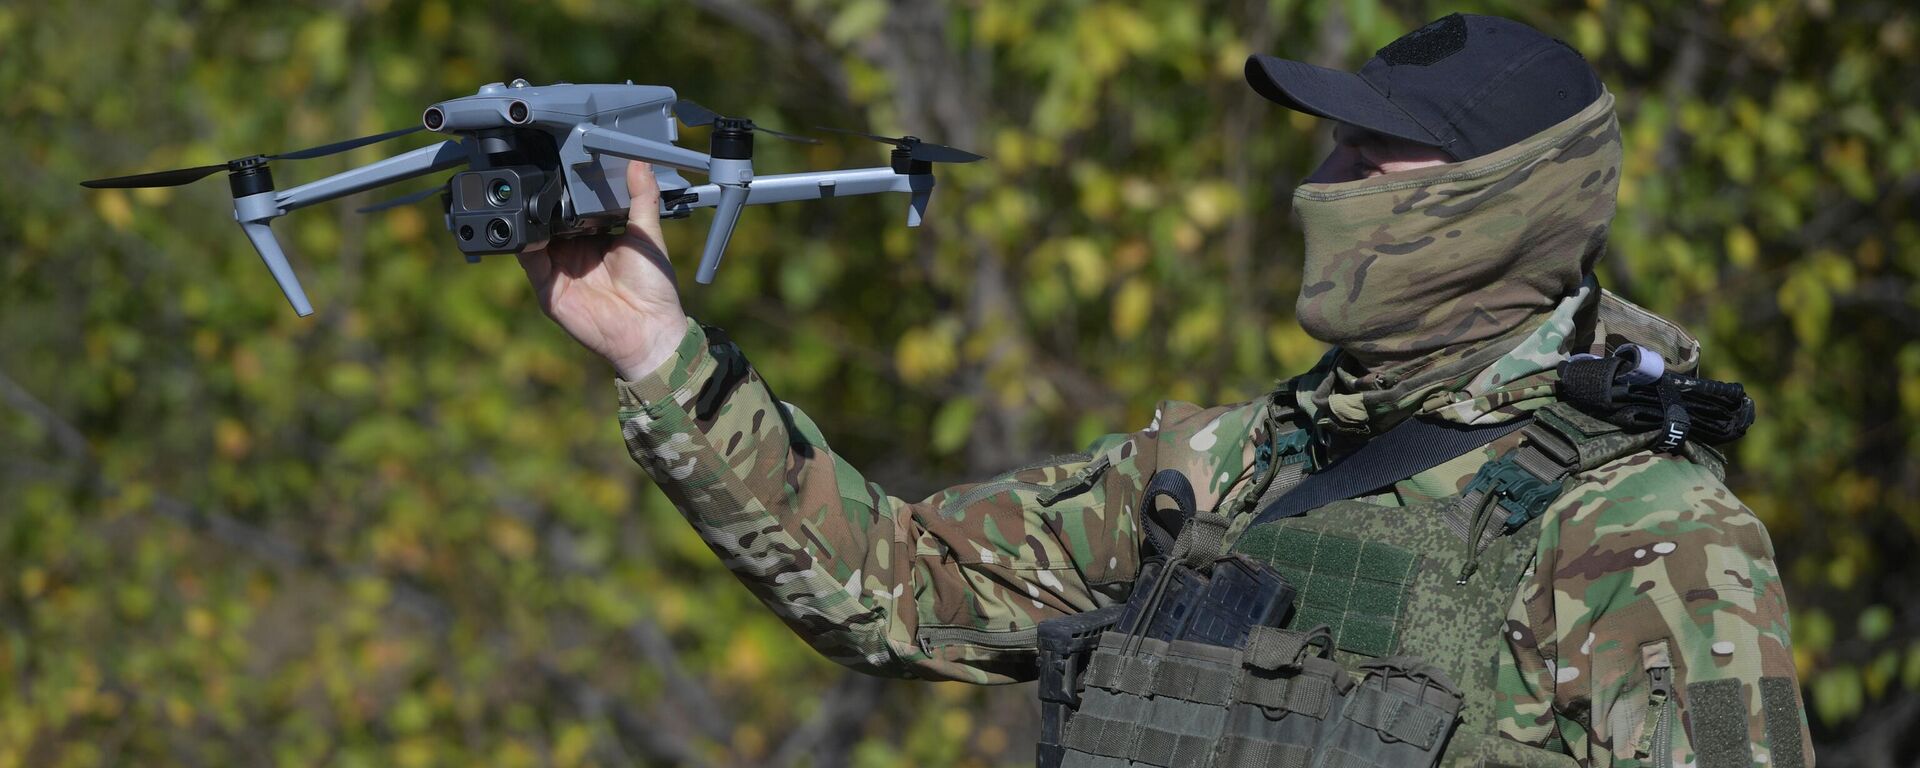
{"type": "Point", "coordinates": [1411, 271]}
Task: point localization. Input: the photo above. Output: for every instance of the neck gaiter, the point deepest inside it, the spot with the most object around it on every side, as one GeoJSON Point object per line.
{"type": "Point", "coordinates": [1423, 277]}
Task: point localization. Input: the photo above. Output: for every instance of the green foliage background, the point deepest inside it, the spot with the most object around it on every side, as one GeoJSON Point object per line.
{"type": "Point", "coordinates": [404, 531]}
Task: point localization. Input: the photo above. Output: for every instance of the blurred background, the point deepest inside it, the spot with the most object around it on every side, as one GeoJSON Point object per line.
{"type": "Point", "coordinates": [405, 531]}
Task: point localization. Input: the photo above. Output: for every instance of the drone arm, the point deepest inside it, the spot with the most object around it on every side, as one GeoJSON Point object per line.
{"type": "Point", "coordinates": [427, 159]}
{"type": "Point", "coordinates": [817, 185]}
{"type": "Point", "coordinates": [255, 211]}
{"type": "Point", "coordinates": [600, 140]}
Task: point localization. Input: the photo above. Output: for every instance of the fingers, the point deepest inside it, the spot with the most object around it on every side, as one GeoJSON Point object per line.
{"type": "Point", "coordinates": [643, 193]}
{"type": "Point", "coordinates": [538, 265]}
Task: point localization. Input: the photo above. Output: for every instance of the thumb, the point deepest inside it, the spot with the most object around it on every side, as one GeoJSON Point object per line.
{"type": "Point", "coordinates": [643, 206]}
{"type": "Point", "coordinates": [537, 264]}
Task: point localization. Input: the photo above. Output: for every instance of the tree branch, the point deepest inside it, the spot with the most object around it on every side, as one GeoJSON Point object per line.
{"type": "Point", "coordinates": [834, 727]}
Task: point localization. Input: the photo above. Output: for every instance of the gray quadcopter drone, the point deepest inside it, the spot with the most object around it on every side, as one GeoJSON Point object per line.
{"type": "Point", "coordinates": [550, 161]}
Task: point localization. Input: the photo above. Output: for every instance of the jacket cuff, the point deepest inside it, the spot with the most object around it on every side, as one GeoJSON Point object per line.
{"type": "Point", "coordinates": [680, 374]}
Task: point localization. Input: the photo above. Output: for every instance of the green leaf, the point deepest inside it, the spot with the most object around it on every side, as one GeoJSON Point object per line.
{"type": "Point", "coordinates": [952, 424]}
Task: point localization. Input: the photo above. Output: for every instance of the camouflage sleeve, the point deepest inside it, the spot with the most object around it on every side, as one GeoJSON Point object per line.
{"type": "Point", "coordinates": [949, 587]}
{"type": "Point", "coordinates": [1653, 630]}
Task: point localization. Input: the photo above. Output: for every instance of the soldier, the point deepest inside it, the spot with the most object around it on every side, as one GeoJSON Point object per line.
{"type": "Point", "coordinates": [1533, 585]}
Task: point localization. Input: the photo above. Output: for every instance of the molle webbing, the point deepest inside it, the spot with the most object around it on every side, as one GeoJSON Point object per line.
{"type": "Point", "coordinates": [1399, 716]}
{"type": "Point", "coordinates": [1137, 742]}
{"type": "Point", "coordinates": [1170, 677]}
{"type": "Point", "coordinates": [1279, 701]}
{"type": "Point", "coordinates": [1258, 753]}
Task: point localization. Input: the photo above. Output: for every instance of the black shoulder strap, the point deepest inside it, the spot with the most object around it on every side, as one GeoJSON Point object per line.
{"type": "Point", "coordinates": [1412, 447]}
{"type": "Point", "coordinates": [1163, 526]}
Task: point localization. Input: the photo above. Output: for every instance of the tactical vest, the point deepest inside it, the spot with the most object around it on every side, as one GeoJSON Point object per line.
{"type": "Point", "coordinates": [1388, 654]}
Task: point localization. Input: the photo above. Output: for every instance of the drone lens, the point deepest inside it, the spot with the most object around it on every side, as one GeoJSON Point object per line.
{"type": "Point", "coordinates": [499, 192]}
{"type": "Point", "coordinates": [499, 232]}
{"type": "Point", "coordinates": [434, 118]}
{"type": "Point", "coordinates": [466, 231]}
{"type": "Point", "coordinates": [517, 112]}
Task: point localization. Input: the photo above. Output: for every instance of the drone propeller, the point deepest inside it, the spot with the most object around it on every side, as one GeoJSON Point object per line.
{"type": "Point", "coordinates": [917, 149]}
{"type": "Point", "coordinates": [693, 114]}
{"type": "Point", "coordinates": [179, 176]}
{"type": "Point", "coordinates": [173, 178]}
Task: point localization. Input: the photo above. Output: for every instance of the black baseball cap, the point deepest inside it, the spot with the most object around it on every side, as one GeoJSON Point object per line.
{"type": "Point", "coordinates": [1467, 84]}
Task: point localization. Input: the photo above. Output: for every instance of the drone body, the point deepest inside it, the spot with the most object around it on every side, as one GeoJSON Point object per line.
{"type": "Point", "coordinates": [532, 177]}
{"type": "Point", "coordinates": [549, 161]}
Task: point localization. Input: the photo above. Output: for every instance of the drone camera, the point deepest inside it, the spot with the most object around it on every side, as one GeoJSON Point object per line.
{"type": "Point", "coordinates": [517, 113]}
{"type": "Point", "coordinates": [433, 119]}
{"type": "Point", "coordinates": [502, 210]}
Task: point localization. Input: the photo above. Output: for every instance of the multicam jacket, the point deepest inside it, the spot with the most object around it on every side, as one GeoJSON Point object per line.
{"type": "Point", "coordinates": [1648, 554]}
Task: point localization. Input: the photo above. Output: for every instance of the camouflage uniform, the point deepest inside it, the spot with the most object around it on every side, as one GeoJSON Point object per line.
{"type": "Point", "coordinates": [1648, 561]}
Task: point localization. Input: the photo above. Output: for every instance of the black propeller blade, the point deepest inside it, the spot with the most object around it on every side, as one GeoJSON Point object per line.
{"type": "Point", "coordinates": [171, 178]}
{"type": "Point", "coordinates": [407, 199]}
{"type": "Point", "coordinates": [181, 176]}
{"type": "Point", "coordinates": [693, 114]}
{"type": "Point", "coordinates": [925, 151]}
{"type": "Point", "coordinates": [342, 146]}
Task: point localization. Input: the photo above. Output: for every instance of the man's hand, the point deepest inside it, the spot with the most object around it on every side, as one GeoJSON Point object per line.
{"type": "Point", "coordinates": [615, 294]}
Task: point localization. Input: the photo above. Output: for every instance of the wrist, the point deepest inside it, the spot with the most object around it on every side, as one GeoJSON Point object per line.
{"type": "Point", "coordinates": [664, 340]}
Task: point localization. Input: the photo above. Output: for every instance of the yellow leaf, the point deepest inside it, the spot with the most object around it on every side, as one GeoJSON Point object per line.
{"type": "Point", "coordinates": [1742, 249]}
{"type": "Point", "coordinates": [436, 19]}
{"type": "Point", "coordinates": [1010, 148]}
{"type": "Point", "coordinates": [510, 537]}
{"type": "Point", "coordinates": [923, 354]}
{"type": "Point", "coordinates": [955, 724]}
{"type": "Point", "coordinates": [32, 581]}
{"type": "Point", "coordinates": [231, 438]}
{"type": "Point", "coordinates": [179, 711]}
{"type": "Point", "coordinates": [749, 741]}
{"type": "Point", "coordinates": [1084, 264]}
{"type": "Point", "coordinates": [1231, 60]}
{"type": "Point", "coordinates": [856, 20]}
{"type": "Point", "coordinates": [1131, 308]}
{"type": "Point", "coordinates": [406, 223]}
{"type": "Point", "coordinates": [992, 740]}
{"type": "Point", "coordinates": [200, 623]}
{"type": "Point", "coordinates": [113, 208]}
{"type": "Point", "coordinates": [1211, 203]}
{"type": "Point", "coordinates": [746, 659]}
{"type": "Point", "coordinates": [1589, 35]}
{"type": "Point", "coordinates": [1196, 330]}
{"type": "Point", "coordinates": [150, 197]}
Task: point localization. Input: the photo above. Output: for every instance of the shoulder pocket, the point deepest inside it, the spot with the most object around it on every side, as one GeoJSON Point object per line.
{"type": "Point", "coordinates": [1080, 482]}
{"type": "Point", "coordinates": [1655, 745]}
{"type": "Point", "coordinates": [1045, 493]}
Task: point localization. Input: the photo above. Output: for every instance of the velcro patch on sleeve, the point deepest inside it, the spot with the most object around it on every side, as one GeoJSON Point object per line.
{"type": "Point", "coordinates": [1719, 718]}
{"type": "Point", "coordinates": [1782, 711]}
